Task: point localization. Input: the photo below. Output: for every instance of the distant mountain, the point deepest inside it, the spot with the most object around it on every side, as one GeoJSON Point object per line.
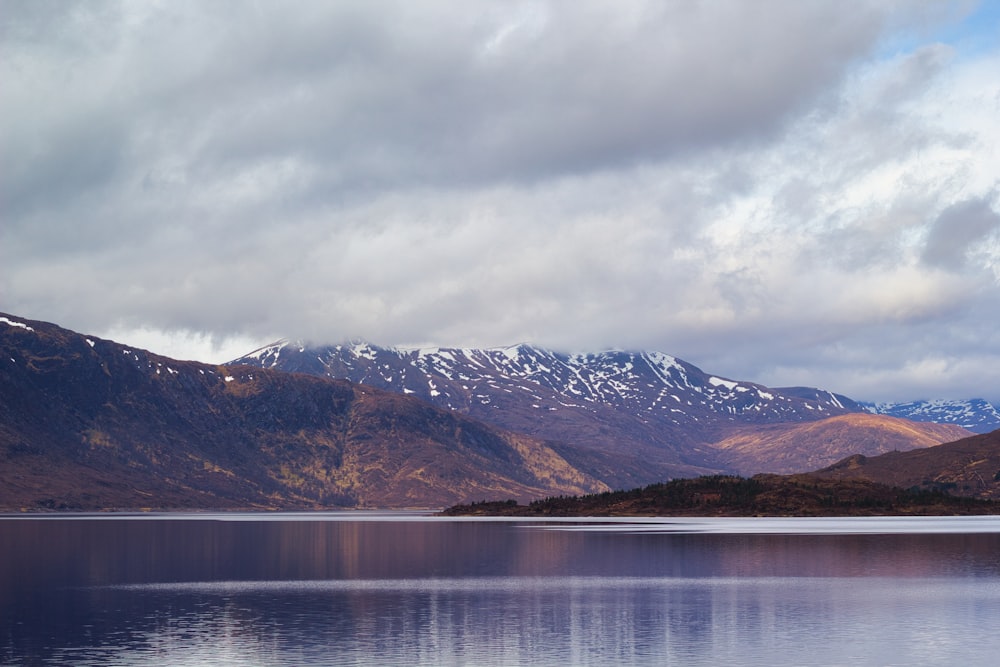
{"type": "Point", "coordinates": [87, 423]}
{"type": "Point", "coordinates": [966, 467]}
{"type": "Point", "coordinates": [645, 416]}
{"type": "Point", "coordinates": [976, 415]}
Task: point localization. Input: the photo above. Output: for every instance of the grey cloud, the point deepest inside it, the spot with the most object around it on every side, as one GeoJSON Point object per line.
{"type": "Point", "coordinates": [397, 93]}
{"type": "Point", "coordinates": [580, 175]}
{"type": "Point", "coordinates": [957, 230]}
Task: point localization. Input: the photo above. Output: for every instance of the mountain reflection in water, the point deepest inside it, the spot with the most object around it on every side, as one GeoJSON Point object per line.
{"type": "Point", "coordinates": [387, 589]}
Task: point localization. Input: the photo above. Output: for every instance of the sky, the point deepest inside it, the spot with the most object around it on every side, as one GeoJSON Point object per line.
{"type": "Point", "coordinates": [791, 192]}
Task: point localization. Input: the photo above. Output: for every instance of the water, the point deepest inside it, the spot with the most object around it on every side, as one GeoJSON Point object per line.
{"type": "Point", "coordinates": [407, 589]}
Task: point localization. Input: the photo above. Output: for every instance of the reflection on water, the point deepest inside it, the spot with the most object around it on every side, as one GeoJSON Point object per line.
{"type": "Point", "coordinates": [431, 591]}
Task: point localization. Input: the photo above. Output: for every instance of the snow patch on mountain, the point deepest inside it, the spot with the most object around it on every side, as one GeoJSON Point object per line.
{"type": "Point", "coordinates": [20, 325]}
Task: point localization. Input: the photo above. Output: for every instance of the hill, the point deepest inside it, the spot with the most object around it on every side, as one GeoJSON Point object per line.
{"type": "Point", "coordinates": [967, 467]}
{"type": "Point", "coordinates": [762, 495]}
{"type": "Point", "coordinates": [791, 448]}
{"type": "Point", "coordinates": [961, 477]}
{"type": "Point", "coordinates": [87, 423]}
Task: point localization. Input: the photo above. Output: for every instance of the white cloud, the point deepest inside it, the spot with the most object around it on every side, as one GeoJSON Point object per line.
{"type": "Point", "coordinates": [183, 344]}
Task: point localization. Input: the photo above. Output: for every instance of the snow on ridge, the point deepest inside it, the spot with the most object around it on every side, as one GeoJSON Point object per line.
{"type": "Point", "coordinates": [512, 352]}
{"type": "Point", "coordinates": [663, 360]}
{"type": "Point", "coordinates": [976, 414]}
{"type": "Point", "coordinates": [19, 325]}
{"type": "Point", "coordinates": [363, 349]}
{"type": "Point", "coordinates": [719, 382]}
{"type": "Point", "coordinates": [274, 348]}
{"type": "Point", "coordinates": [470, 354]}
{"type": "Point", "coordinates": [927, 404]}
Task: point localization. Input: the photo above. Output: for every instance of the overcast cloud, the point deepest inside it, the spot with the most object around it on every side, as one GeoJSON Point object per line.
{"type": "Point", "coordinates": [787, 192]}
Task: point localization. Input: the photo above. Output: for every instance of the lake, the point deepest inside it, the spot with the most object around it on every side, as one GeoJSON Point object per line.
{"type": "Point", "coordinates": [370, 588]}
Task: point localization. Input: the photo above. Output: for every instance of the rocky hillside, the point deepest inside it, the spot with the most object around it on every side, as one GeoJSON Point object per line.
{"type": "Point", "coordinates": [87, 423]}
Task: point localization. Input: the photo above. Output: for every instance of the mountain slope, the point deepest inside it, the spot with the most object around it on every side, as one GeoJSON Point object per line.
{"type": "Point", "coordinates": [969, 467]}
{"type": "Point", "coordinates": [792, 448]}
{"type": "Point", "coordinates": [88, 423]}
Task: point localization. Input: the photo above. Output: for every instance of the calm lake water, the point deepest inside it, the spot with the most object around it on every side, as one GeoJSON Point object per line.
{"type": "Point", "coordinates": [406, 589]}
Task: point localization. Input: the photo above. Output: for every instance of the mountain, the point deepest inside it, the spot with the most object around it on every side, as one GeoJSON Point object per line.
{"type": "Point", "coordinates": [976, 415]}
{"type": "Point", "coordinates": [966, 467]}
{"type": "Point", "coordinates": [87, 423]}
{"type": "Point", "coordinates": [663, 388]}
{"type": "Point", "coordinates": [629, 418]}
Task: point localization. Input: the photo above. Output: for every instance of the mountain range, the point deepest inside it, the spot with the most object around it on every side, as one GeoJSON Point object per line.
{"type": "Point", "coordinates": [87, 423]}
{"type": "Point", "coordinates": [658, 416]}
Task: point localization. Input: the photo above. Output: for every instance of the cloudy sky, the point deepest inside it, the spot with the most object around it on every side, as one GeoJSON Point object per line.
{"type": "Point", "coordinates": [783, 191]}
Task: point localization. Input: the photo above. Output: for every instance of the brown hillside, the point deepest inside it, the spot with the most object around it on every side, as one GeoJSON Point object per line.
{"type": "Point", "coordinates": [90, 424]}
{"type": "Point", "coordinates": [967, 467]}
{"type": "Point", "coordinates": [800, 447]}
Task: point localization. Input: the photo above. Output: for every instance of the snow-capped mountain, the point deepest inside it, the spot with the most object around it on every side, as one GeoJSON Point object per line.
{"type": "Point", "coordinates": [975, 414]}
{"type": "Point", "coordinates": [648, 384]}
{"type": "Point", "coordinates": [631, 409]}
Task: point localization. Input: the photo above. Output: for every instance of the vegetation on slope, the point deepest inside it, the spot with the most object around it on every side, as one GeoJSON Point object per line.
{"type": "Point", "coordinates": [762, 495]}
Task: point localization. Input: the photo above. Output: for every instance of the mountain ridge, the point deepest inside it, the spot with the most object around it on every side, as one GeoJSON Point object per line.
{"type": "Point", "coordinates": [975, 414]}
{"type": "Point", "coordinates": [587, 376]}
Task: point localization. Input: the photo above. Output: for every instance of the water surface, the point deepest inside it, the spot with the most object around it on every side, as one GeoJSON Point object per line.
{"type": "Point", "coordinates": [383, 588]}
